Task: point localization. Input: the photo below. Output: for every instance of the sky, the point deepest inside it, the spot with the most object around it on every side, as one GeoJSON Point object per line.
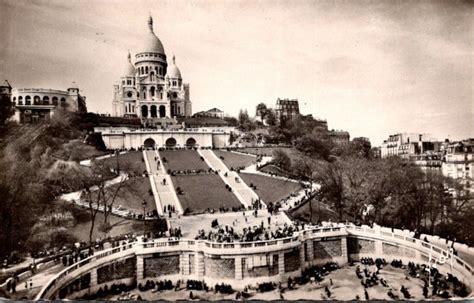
{"type": "Point", "coordinates": [373, 68]}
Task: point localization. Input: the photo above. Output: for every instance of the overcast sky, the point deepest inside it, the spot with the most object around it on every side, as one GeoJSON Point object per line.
{"type": "Point", "coordinates": [373, 68]}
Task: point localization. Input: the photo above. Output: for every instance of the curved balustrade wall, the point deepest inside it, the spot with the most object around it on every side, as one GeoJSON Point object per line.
{"type": "Point", "coordinates": [245, 263]}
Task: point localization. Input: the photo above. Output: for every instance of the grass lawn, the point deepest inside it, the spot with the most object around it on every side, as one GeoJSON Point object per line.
{"type": "Point", "coordinates": [131, 162]}
{"type": "Point", "coordinates": [321, 212]}
{"type": "Point", "coordinates": [182, 160]}
{"type": "Point", "coordinates": [235, 160]}
{"type": "Point", "coordinates": [270, 189]}
{"type": "Point", "coordinates": [120, 226]}
{"type": "Point", "coordinates": [204, 191]}
{"type": "Point", "coordinates": [132, 194]}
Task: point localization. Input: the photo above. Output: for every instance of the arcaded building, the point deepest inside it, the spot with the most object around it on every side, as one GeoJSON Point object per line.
{"type": "Point", "coordinates": [36, 104]}
{"type": "Point", "coordinates": [151, 87]}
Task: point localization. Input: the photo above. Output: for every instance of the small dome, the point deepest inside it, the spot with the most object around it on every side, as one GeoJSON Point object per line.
{"type": "Point", "coordinates": [129, 70]}
{"type": "Point", "coordinates": [173, 70]}
{"type": "Point", "coordinates": [151, 44]}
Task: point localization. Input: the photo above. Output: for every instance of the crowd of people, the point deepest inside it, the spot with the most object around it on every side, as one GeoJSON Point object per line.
{"type": "Point", "coordinates": [227, 234]}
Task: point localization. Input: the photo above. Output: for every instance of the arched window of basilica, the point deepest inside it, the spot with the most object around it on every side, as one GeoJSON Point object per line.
{"type": "Point", "coordinates": [146, 69]}
{"type": "Point", "coordinates": [152, 91]}
{"type": "Point", "coordinates": [46, 100]}
{"type": "Point", "coordinates": [27, 100]}
{"type": "Point", "coordinates": [20, 100]}
{"type": "Point", "coordinates": [55, 100]}
{"type": "Point", "coordinates": [36, 100]}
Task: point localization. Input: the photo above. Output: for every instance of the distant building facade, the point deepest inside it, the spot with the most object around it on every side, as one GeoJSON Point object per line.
{"type": "Point", "coordinates": [37, 104]}
{"type": "Point", "coordinates": [458, 161]}
{"type": "Point", "coordinates": [212, 113]}
{"type": "Point", "coordinates": [406, 144]}
{"type": "Point", "coordinates": [339, 137]}
{"type": "Point", "coordinates": [286, 109]}
{"type": "Point", "coordinates": [152, 87]}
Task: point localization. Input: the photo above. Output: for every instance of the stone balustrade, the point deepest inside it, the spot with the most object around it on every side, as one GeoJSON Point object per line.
{"type": "Point", "coordinates": [243, 263]}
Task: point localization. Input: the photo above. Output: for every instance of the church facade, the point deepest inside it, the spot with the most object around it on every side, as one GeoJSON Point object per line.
{"type": "Point", "coordinates": [151, 87]}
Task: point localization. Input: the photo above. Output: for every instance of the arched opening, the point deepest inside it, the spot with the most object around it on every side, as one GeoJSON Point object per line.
{"type": "Point", "coordinates": [55, 100]}
{"type": "Point", "coordinates": [153, 111]}
{"type": "Point", "coordinates": [152, 91]}
{"type": "Point", "coordinates": [144, 111]}
{"type": "Point", "coordinates": [144, 94]}
{"type": "Point", "coordinates": [190, 143]}
{"type": "Point", "coordinates": [63, 100]}
{"type": "Point", "coordinates": [171, 142]}
{"type": "Point", "coordinates": [27, 100]}
{"type": "Point", "coordinates": [36, 100]}
{"type": "Point", "coordinates": [162, 111]}
{"type": "Point", "coordinates": [46, 100]}
{"type": "Point", "coordinates": [146, 69]}
{"type": "Point", "coordinates": [20, 100]}
{"type": "Point", "coordinates": [149, 143]}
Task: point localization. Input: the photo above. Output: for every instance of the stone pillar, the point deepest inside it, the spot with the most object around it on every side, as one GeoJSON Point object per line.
{"type": "Point", "coordinates": [281, 263]}
{"type": "Point", "coordinates": [310, 250]}
{"type": "Point", "coordinates": [238, 268]}
{"type": "Point", "coordinates": [378, 247]}
{"type": "Point", "coordinates": [184, 261]}
{"type": "Point", "coordinates": [140, 268]}
{"type": "Point", "coordinates": [200, 270]}
{"type": "Point", "coordinates": [93, 277]}
{"type": "Point", "coordinates": [302, 256]}
{"type": "Point", "coordinates": [345, 256]}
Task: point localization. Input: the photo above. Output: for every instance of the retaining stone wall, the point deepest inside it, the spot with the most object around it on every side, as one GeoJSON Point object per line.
{"type": "Point", "coordinates": [219, 268]}
{"type": "Point", "coordinates": [360, 246]}
{"type": "Point", "coordinates": [161, 266]}
{"type": "Point", "coordinates": [390, 249]}
{"type": "Point", "coordinates": [292, 260]}
{"type": "Point", "coordinates": [117, 270]}
{"type": "Point", "coordinates": [327, 249]}
{"type": "Point", "coordinates": [270, 269]}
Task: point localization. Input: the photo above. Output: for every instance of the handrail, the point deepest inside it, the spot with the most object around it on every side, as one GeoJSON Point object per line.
{"type": "Point", "coordinates": [299, 235]}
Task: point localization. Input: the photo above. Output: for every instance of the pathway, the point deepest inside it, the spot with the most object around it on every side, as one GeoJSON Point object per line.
{"type": "Point", "coordinates": [166, 193]}
{"type": "Point", "coordinates": [244, 193]}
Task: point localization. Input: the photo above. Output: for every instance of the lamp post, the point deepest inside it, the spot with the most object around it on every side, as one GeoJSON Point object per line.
{"type": "Point", "coordinates": [144, 209]}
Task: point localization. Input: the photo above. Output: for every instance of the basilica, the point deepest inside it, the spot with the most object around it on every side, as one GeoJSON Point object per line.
{"type": "Point", "coordinates": [151, 87]}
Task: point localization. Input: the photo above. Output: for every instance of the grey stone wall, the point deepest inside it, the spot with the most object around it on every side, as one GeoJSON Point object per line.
{"type": "Point", "coordinates": [327, 249]}
{"type": "Point", "coordinates": [161, 266]}
{"type": "Point", "coordinates": [292, 260]}
{"type": "Point", "coordinates": [117, 270]}
{"type": "Point", "coordinates": [219, 268]}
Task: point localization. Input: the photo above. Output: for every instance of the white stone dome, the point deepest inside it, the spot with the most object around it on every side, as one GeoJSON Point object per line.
{"type": "Point", "coordinates": [173, 70]}
{"type": "Point", "coordinates": [151, 44]}
{"type": "Point", "coordinates": [129, 70]}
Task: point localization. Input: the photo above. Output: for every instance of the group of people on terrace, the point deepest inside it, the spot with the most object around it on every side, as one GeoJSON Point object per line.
{"type": "Point", "coordinates": [227, 234]}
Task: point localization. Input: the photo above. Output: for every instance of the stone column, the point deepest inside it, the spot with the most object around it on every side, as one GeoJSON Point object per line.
{"type": "Point", "coordinates": [310, 250]}
{"type": "Point", "coordinates": [281, 263]}
{"type": "Point", "coordinates": [378, 247]}
{"type": "Point", "coordinates": [302, 256]}
{"type": "Point", "coordinates": [93, 277]}
{"type": "Point", "coordinates": [200, 270]}
{"type": "Point", "coordinates": [345, 256]}
{"type": "Point", "coordinates": [238, 268]}
{"type": "Point", "coordinates": [140, 268]}
{"type": "Point", "coordinates": [184, 261]}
